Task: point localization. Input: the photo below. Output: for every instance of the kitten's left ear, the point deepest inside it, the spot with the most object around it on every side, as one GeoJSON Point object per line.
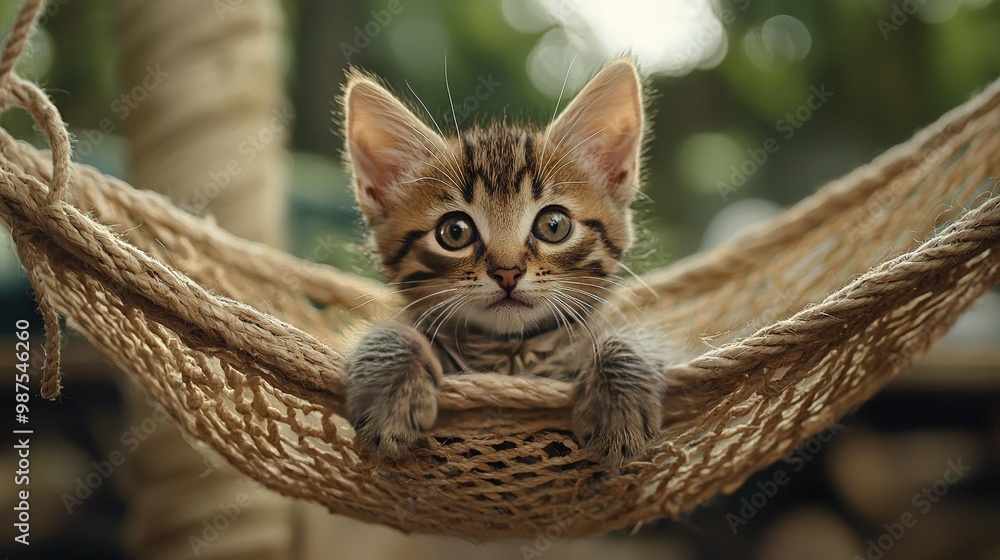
{"type": "Point", "coordinates": [604, 125]}
{"type": "Point", "coordinates": [385, 142]}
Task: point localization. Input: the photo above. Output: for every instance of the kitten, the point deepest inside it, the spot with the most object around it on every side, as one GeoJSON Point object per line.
{"type": "Point", "coordinates": [504, 241]}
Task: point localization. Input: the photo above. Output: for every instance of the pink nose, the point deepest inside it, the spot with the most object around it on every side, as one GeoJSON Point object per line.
{"type": "Point", "coordinates": [507, 277]}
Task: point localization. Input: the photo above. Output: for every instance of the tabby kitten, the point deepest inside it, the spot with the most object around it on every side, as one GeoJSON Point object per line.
{"type": "Point", "coordinates": [504, 241]}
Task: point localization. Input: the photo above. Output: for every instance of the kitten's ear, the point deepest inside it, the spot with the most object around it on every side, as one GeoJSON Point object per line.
{"type": "Point", "coordinates": [604, 125]}
{"type": "Point", "coordinates": [385, 142]}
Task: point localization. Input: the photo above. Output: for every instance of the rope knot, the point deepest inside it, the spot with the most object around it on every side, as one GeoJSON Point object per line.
{"type": "Point", "coordinates": [18, 92]}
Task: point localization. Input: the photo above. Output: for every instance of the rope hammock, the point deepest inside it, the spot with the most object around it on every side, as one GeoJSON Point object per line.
{"type": "Point", "coordinates": [800, 321]}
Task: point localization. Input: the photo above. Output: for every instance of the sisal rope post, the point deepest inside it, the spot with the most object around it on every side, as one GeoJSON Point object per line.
{"type": "Point", "coordinates": [203, 81]}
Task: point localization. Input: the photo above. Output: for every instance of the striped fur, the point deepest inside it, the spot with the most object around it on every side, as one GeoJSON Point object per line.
{"type": "Point", "coordinates": [511, 297]}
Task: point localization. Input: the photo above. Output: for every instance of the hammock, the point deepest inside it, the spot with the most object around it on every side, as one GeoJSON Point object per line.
{"type": "Point", "coordinates": [800, 321]}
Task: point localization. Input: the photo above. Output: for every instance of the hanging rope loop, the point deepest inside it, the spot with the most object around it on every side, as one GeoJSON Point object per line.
{"type": "Point", "coordinates": [18, 92]}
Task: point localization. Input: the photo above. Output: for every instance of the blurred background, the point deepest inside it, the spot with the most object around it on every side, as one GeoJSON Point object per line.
{"type": "Point", "coordinates": [755, 104]}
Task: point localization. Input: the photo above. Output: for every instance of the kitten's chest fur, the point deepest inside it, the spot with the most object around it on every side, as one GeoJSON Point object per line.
{"type": "Point", "coordinates": [554, 354]}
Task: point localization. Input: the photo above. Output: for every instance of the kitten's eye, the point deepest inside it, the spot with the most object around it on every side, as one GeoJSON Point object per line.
{"type": "Point", "coordinates": [455, 231]}
{"type": "Point", "coordinates": [552, 225]}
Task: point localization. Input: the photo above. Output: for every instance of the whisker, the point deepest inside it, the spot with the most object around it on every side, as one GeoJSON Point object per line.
{"type": "Point", "coordinates": [565, 134]}
{"type": "Point", "coordinates": [596, 297]}
{"type": "Point", "coordinates": [448, 313]}
{"type": "Point", "coordinates": [451, 101]}
{"type": "Point", "coordinates": [564, 165]}
{"type": "Point", "coordinates": [559, 99]}
{"type": "Point", "coordinates": [428, 178]}
{"type": "Point", "coordinates": [427, 312]}
{"type": "Point", "coordinates": [458, 347]}
{"type": "Point", "coordinates": [585, 307]}
{"type": "Point", "coordinates": [565, 303]}
{"type": "Point", "coordinates": [401, 282]}
{"type": "Point", "coordinates": [637, 278]}
{"type": "Point", "coordinates": [588, 284]}
{"type": "Point", "coordinates": [382, 296]}
{"type": "Point", "coordinates": [549, 174]}
{"type": "Point", "coordinates": [440, 132]}
{"type": "Point", "coordinates": [599, 299]}
{"type": "Point", "coordinates": [453, 182]}
{"type": "Point", "coordinates": [561, 320]}
{"type": "Point", "coordinates": [443, 304]}
{"type": "Point", "coordinates": [420, 134]}
{"type": "Point", "coordinates": [570, 325]}
{"type": "Point", "coordinates": [426, 110]}
{"type": "Point", "coordinates": [452, 173]}
{"type": "Point", "coordinates": [416, 301]}
{"type": "Point", "coordinates": [607, 289]}
{"type": "Point", "coordinates": [610, 279]}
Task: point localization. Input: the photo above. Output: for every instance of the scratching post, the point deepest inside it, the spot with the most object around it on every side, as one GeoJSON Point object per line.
{"type": "Point", "coordinates": [203, 112]}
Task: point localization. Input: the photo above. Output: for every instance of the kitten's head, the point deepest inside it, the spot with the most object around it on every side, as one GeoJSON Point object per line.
{"type": "Point", "coordinates": [504, 229]}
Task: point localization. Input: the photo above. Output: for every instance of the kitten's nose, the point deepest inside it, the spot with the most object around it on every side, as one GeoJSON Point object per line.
{"type": "Point", "coordinates": [507, 277]}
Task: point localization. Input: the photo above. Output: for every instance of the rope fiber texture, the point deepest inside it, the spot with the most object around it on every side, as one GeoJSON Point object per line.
{"type": "Point", "coordinates": [799, 321]}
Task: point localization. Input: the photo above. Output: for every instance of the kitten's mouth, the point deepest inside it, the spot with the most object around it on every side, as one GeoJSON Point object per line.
{"type": "Point", "coordinates": [509, 302]}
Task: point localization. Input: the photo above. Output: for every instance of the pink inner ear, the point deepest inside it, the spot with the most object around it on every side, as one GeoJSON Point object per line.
{"type": "Point", "coordinates": [375, 178]}
{"type": "Point", "coordinates": [615, 156]}
{"type": "Point", "coordinates": [373, 194]}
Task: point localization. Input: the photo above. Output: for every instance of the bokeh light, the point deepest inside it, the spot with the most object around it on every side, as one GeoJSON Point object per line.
{"type": "Point", "coordinates": [673, 37]}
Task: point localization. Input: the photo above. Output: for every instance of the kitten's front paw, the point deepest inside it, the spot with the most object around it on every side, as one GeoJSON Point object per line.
{"type": "Point", "coordinates": [392, 388]}
{"type": "Point", "coordinates": [617, 408]}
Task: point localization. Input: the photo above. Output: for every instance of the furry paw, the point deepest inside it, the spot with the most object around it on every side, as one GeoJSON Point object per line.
{"type": "Point", "coordinates": [392, 389]}
{"type": "Point", "coordinates": [617, 408]}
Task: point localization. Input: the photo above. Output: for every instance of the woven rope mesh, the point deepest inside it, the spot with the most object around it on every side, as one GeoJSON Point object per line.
{"type": "Point", "coordinates": [798, 322]}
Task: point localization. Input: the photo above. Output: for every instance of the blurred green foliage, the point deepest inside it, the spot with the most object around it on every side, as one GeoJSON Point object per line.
{"type": "Point", "coordinates": [888, 72]}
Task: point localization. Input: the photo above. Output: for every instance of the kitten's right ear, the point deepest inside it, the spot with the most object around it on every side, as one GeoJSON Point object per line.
{"type": "Point", "coordinates": [604, 125]}
{"type": "Point", "coordinates": [385, 142]}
